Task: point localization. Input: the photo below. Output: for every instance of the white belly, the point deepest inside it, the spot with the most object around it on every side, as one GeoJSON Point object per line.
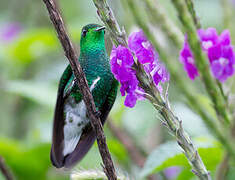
{"type": "Point", "coordinates": [75, 121]}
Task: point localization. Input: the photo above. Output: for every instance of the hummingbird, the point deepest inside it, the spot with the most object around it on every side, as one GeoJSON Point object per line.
{"type": "Point", "coordinates": [73, 135]}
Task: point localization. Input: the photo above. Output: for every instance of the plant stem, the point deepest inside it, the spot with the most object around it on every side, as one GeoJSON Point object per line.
{"type": "Point", "coordinates": [5, 171]}
{"type": "Point", "coordinates": [188, 93]}
{"type": "Point", "coordinates": [222, 91]}
{"type": "Point", "coordinates": [201, 61]}
{"type": "Point", "coordinates": [197, 24]}
{"type": "Point", "coordinates": [106, 15]}
{"type": "Point", "coordinates": [146, 29]}
{"type": "Point", "coordinates": [191, 9]}
{"type": "Point", "coordinates": [227, 13]}
{"type": "Point", "coordinates": [83, 87]}
{"type": "Point", "coordinates": [172, 121]}
{"type": "Point", "coordinates": [174, 125]}
{"type": "Point", "coordinates": [137, 155]}
{"type": "Point", "coordinates": [224, 139]}
{"type": "Point", "coordinates": [223, 168]}
{"type": "Point", "coordinates": [160, 19]}
{"type": "Point", "coordinates": [134, 152]}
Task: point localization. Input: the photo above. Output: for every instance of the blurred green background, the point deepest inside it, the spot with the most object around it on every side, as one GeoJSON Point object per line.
{"type": "Point", "coordinates": [31, 63]}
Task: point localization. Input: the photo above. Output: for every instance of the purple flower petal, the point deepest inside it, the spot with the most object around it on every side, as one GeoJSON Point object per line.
{"type": "Point", "coordinates": [121, 66]}
{"type": "Point", "coordinates": [217, 70]}
{"type": "Point", "coordinates": [186, 58]}
{"type": "Point", "coordinates": [214, 52]}
{"type": "Point", "coordinates": [121, 61]}
{"type": "Point", "coordinates": [208, 38]}
{"type": "Point", "coordinates": [140, 45]}
{"type": "Point", "coordinates": [209, 34]}
{"type": "Point", "coordinates": [145, 56]}
{"type": "Point", "coordinates": [135, 40]}
{"type": "Point", "coordinates": [227, 52]}
{"type": "Point", "coordinates": [224, 38]}
{"type": "Point", "coordinates": [130, 100]}
{"type": "Point", "coordinates": [157, 78]}
{"type": "Point", "coordinates": [219, 50]}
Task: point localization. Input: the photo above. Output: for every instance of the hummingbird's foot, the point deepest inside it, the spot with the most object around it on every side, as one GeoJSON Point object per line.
{"type": "Point", "coordinates": [97, 114]}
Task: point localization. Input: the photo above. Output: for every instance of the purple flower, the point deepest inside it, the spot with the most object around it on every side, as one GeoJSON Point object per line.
{"type": "Point", "coordinates": [186, 58]}
{"type": "Point", "coordinates": [222, 61]}
{"type": "Point", "coordinates": [147, 56]}
{"type": "Point", "coordinates": [219, 50]}
{"type": "Point", "coordinates": [9, 31]}
{"type": "Point", "coordinates": [121, 62]}
{"type": "Point", "coordinates": [208, 37]}
{"type": "Point", "coordinates": [142, 48]}
{"type": "Point", "coordinates": [224, 38]}
{"type": "Point", "coordinates": [159, 74]}
{"type": "Point", "coordinates": [121, 66]}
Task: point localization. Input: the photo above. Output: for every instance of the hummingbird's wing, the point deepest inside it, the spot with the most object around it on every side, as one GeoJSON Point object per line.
{"type": "Point", "coordinates": [81, 141]}
{"type": "Point", "coordinates": [110, 99]}
{"type": "Point", "coordinates": [88, 135]}
{"type": "Point", "coordinates": [58, 124]}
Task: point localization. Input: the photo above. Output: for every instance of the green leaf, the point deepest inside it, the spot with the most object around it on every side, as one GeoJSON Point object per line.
{"type": "Point", "coordinates": [32, 44]}
{"type": "Point", "coordinates": [170, 154]}
{"type": "Point", "coordinates": [26, 163]}
{"type": "Point", "coordinates": [195, 129]}
{"type": "Point", "coordinates": [118, 150]}
{"type": "Point", "coordinates": [231, 173]}
{"type": "Point", "coordinates": [162, 157]}
{"type": "Point", "coordinates": [186, 174]}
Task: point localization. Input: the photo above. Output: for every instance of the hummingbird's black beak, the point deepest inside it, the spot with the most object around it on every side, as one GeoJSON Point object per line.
{"type": "Point", "coordinates": [100, 28]}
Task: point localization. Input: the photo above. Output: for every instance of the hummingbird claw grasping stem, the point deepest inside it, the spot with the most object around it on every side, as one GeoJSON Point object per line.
{"type": "Point", "coordinates": [97, 114]}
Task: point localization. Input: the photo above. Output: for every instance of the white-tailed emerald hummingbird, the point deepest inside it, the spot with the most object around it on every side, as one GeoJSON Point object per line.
{"type": "Point", "coordinates": [73, 135]}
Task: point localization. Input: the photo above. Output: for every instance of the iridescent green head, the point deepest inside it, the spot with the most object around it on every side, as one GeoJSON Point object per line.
{"type": "Point", "coordinates": [92, 38]}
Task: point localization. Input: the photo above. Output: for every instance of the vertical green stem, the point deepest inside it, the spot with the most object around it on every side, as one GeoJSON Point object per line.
{"type": "Point", "coordinates": [191, 9]}
{"type": "Point", "coordinates": [223, 168]}
{"type": "Point", "coordinates": [201, 61]}
{"type": "Point", "coordinates": [108, 18]}
{"type": "Point", "coordinates": [175, 77]}
{"type": "Point", "coordinates": [146, 29]}
{"type": "Point", "coordinates": [222, 91]}
{"type": "Point", "coordinates": [227, 13]}
{"type": "Point", "coordinates": [174, 125]}
{"type": "Point", "coordinates": [160, 19]}
{"type": "Point", "coordinates": [197, 24]}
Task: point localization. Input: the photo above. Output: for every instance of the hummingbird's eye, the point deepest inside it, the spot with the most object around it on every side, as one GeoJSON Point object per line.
{"type": "Point", "coordinates": [84, 31]}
